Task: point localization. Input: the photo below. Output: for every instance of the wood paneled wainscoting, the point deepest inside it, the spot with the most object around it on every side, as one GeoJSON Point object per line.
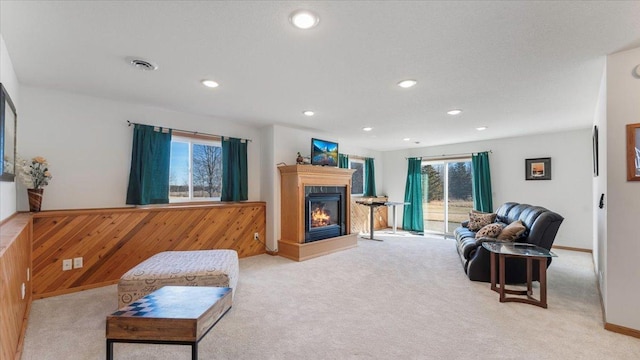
{"type": "Point", "coordinates": [112, 241]}
{"type": "Point", "coordinates": [15, 284]}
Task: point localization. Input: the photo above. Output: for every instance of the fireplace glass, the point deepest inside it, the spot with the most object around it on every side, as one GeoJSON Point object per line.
{"type": "Point", "coordinates": [323, 215]}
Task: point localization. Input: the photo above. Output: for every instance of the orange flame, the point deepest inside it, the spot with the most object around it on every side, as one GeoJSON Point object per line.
{"type": "Point", "coordinates": [320, 217]}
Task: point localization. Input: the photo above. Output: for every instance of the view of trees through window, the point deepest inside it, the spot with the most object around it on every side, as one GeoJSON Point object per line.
{"type": "Point", "coordinates": [357, 179]}
{"type": "Point", "coordinates": [195, 170]}
{"type": "Point", "coordinates": [447, 194]}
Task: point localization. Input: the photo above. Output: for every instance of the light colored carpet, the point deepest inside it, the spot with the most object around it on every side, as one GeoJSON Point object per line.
{"type": "Point", "coordinates": [404, 298]}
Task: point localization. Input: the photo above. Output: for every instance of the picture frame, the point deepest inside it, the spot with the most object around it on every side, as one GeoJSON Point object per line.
{"type": "Point", "coordinates": [538, 169]}
{"type": "Point", "coordinates": [596, 159]}
{"type": "Point", "coordinates": [633, 152]}
{"type": "Point", "coordinates": [8, 124]}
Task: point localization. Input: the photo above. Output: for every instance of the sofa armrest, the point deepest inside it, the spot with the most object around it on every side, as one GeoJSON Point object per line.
{"type": "Point", "coordinates": [467, 247]}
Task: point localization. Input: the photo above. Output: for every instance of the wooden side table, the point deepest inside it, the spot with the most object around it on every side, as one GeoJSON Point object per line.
{"type": "Point", "coordinates": [530, 253]}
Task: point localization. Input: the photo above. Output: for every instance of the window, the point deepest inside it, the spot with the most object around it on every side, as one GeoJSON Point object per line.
{"type": "Point", "coordinates": [447, 194]}
{"type": "Point", "coordinates": [195, 172]}
{"type": "Point", "coordinates": [357, 179]}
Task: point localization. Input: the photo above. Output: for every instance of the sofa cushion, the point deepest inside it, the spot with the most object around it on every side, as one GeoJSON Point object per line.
{"type": "Point", "coordinates": [477, 220]}
{"type": "Point", "coordinates": [512, 231]}
{"type": "Point", "coordinates": [489, 231]}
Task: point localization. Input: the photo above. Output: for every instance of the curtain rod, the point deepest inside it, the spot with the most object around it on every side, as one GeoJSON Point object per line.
{"type": "Point", "coordinates": [447, 155]}
{"type": "Point", "coordinates": [356, 157]}
{"type": "Point", "coordinates": [185, 131]}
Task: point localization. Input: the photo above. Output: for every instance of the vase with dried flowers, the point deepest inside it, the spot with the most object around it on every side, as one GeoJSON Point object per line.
{"type": "Point", "coordinates": [35, 175]}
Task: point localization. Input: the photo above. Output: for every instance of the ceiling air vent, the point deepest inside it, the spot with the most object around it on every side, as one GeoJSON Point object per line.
{"type": "Point", "coordinates": [143, 65]}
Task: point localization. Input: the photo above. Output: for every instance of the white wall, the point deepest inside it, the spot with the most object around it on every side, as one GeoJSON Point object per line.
{"type": "Point", "coordinates": [600, 187]}
{"type": "Point", "coordinates": [271, 184]}
{"type": "Point", "coordinates": [285, 143]}
{"type": "Point", "coordinates": [10, 82]}
{"type": "Point", "coordinates": [623, 205]}
{"type": "Point", "coordinates": [88, 145]}
{"type": "Point", "coordinates": [568, 193]}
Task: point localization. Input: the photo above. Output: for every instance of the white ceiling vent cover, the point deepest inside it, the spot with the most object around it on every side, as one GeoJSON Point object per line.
{"type": "Point", "coordinates": [141, 64]}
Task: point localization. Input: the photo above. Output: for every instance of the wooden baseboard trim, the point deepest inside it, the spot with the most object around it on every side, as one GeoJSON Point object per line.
{"type": "Point", "coordinates": [622, 330]}
{"type": "Point", "coordinates": [571, 248]}
{"type": "Point", "coordinates": [74, 290]}
{"type": "Point", "coordinates": [272, 253]}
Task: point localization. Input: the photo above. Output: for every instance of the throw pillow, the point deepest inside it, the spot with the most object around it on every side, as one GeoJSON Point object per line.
{"type": "Point", "coordinates": [512, 231]}
{"type": "Point", "coordinates": [489, 231]}
{"type": "Point", "coordinates": [477, 221]}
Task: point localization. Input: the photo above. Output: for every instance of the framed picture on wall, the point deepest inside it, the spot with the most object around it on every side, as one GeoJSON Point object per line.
{"type": "Point", "coordinates": [633, 152]}
{"type": "Point", "coordinates": [537, 169]}
{"type": "Point", "coordinates": [594, 139]}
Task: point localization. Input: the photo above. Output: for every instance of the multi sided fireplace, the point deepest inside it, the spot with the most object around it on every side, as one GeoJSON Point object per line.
{"type": "Point", "coordinates": [324, 212]}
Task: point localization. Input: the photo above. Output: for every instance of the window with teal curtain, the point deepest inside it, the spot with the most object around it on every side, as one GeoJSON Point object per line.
{"type": "Point", "coordinates": [343, 161]}
{"type": "Point", "coordinates": [482, 197]}
{"type": "Point", "coordinates": [150, 159]}
{"type": "Point", "coordinates": [369, 178]}
{"type": "Point", "coordinates": [412, 218]}
{"type": "Point", "coordinates": [234, 170]}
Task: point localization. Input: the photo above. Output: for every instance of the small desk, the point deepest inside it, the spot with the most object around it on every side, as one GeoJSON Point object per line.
{"type": "Point", "coordinates": [372, 205]}
{"type": "Point", "coordinates": [178, 315]}
{"type": "Point", "coordinates": [393, 205]}
{"type": "Point", "coordinates": [519, 250]}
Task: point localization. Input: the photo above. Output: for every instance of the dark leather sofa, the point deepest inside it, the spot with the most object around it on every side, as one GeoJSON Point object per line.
{"type": "Point", "coordinates": [541, 228]}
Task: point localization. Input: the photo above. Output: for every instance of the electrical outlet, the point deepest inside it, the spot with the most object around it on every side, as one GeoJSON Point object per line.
{"type": "Point", "coordinates": [77, 263]}
{"type": "Point", "coordinates": [256, 236]}
{"type": "Point", "coordinates": [66, 265]}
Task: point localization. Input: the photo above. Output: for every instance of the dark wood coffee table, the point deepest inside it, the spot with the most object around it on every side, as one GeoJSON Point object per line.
{"type": "Point", "coordinates": [178, 315]}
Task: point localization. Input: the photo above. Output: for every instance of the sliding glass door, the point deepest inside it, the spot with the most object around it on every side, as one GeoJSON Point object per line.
{"type": "Point", "coordinates": [447, 194]}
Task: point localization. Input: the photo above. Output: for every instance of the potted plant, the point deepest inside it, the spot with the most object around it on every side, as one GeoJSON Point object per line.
{"type": "Point", "coordinates": [35, 175]}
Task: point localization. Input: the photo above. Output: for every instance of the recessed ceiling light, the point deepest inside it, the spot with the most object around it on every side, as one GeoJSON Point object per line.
{"type": "Point", "coordinates": [406, 139]}
{"type": "Point", "coordinates": [308, 113]}
{"type": "Point", "coordinates": [367, 128]}
{"type": "Point", "coordinates": [454, 112]}
{"type": "Point", "coordinates": [304, 19]}
{"type": "Point", "coordinates": [407, 83]}
{"type": "Point", "coordinates": [141, 64]}
{"type": "Point", "coordinates": [210, 83]}
{"type": "Point", "coordinates": [482, 128]}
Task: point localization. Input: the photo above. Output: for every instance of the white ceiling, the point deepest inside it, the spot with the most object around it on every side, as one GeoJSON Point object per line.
{"type": "Point", "coordinates": [517, 67]}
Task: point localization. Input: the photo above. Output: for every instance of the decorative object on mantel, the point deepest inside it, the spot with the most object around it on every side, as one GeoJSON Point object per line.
{"type": "Point", "coordinates": [299, 159]}
{"type": "Point", "coordinates": [34, 175]}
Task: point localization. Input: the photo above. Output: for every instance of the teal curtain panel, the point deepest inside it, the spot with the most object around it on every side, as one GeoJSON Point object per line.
{"type": "Point", "coordinates": [234, 170]}
{"type": "Point", "coordinates": [482, 197]}
{"type": "Point", "coordinates": [412, 218]}
{"type": "Point", "coordinates": [343, 161]}
{"type": "Point", "coordinates": [369, 177]}
{"type": "Point", "coordinates": [149, 174]}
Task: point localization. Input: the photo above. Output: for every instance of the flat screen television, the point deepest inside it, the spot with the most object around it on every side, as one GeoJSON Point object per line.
{"type": "Point", "coordinates": [324, 153]}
